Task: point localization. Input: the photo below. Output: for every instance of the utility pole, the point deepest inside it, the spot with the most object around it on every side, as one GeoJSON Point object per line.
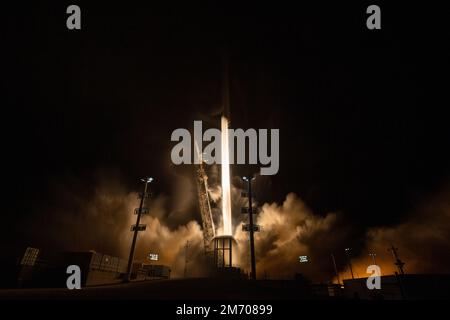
{"type": "Point", "coordinates": [136, 228]}
{"type": "Point", "coordinates": [186, 258]}
{"type": "Point", "coordinates": [349, 261]}
{"type": "Point", "coordinates": [335, 269]}
{"type": "Point", "coordinates": [399, 263]}
{"type": "Point", "coordinates": [251, 227]}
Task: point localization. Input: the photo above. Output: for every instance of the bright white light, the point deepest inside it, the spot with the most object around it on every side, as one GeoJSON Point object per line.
{"type": "Point", "coordinates": [303, 259]}
{"type": "Point", "coordinates": [153, 256]}
{"type": "Point", "coordinates": [226, 194]}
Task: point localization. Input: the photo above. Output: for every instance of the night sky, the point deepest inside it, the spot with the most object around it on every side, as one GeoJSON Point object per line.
{"type": "Point", "coordinates": [362, 114]}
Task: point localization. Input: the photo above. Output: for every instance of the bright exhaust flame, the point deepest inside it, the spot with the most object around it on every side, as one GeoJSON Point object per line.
{"type": "Point", "coordinates": [226, 196]}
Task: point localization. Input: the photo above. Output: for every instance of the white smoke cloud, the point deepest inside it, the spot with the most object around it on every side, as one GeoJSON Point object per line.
{"type": "Point", "coordinates": [102, 222]}
{"type": "Point", "coordinates": [288, 231]}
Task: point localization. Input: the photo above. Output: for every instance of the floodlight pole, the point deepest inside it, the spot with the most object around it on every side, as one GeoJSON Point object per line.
{"type": "Point", "coordinates": [349, 261]}
{"type": "Point", "coordinates": [250, 216]}
{"type": "Point", "coordinates": [136, 230]}
{"type": "Point", "coordinates": [373, 255]}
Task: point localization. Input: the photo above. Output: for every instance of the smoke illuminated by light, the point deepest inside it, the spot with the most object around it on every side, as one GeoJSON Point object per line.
{"type": "Point", "coordinates": [226, 195]}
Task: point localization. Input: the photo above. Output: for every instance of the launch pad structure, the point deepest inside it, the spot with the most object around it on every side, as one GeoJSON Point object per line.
{"type": "Point", "coordinates": [219, 248]}
{"type": "Point", "coordinates": [223, 251]}
{"type": "Point", "coordinates": [209, 231]}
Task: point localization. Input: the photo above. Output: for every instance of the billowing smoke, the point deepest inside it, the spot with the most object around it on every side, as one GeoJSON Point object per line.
{"type": "Point", "coordinates": [288, 231]}
{"type": "Point", "coordinates": [171, 247]}
{"type": "Point", "coordinates": [422, 241]}
{"type": "Point", "coordinates": [102, 219]}
{"type": "Point", "coordinates": [291, 229]}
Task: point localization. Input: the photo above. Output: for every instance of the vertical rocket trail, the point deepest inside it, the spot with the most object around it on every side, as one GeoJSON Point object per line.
{"type": "Point", "coordinates": [226, 195]}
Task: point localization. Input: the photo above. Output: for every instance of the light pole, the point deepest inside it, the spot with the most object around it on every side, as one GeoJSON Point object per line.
{"type": "Point", "coordinates": [373, 255]}
{"type": "Point", "coordinates": [136, 228]}
{"type": "Point", "coordinates": [347, 253]}
{"type": "Point", "coordinates": [250, 217]}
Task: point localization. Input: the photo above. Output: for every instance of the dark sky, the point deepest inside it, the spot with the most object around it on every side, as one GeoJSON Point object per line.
{"type": "Point", "coordinates": [362, 114]}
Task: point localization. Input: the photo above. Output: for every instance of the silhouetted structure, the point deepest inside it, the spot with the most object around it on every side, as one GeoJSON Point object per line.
{"type": "Point", "coordinates": [398, 287]}
{"type": "Point", "coordinates": [399, 263]}
{"type": "Point", "coordinates": [137, 227]}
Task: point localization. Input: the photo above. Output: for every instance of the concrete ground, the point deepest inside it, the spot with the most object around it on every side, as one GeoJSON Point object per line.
{"type": "Point", "coordinates": [190, 289]}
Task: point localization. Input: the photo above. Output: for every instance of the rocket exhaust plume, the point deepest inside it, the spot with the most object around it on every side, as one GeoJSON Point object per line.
{"type": "Point", "coordinates": [226, 195]}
